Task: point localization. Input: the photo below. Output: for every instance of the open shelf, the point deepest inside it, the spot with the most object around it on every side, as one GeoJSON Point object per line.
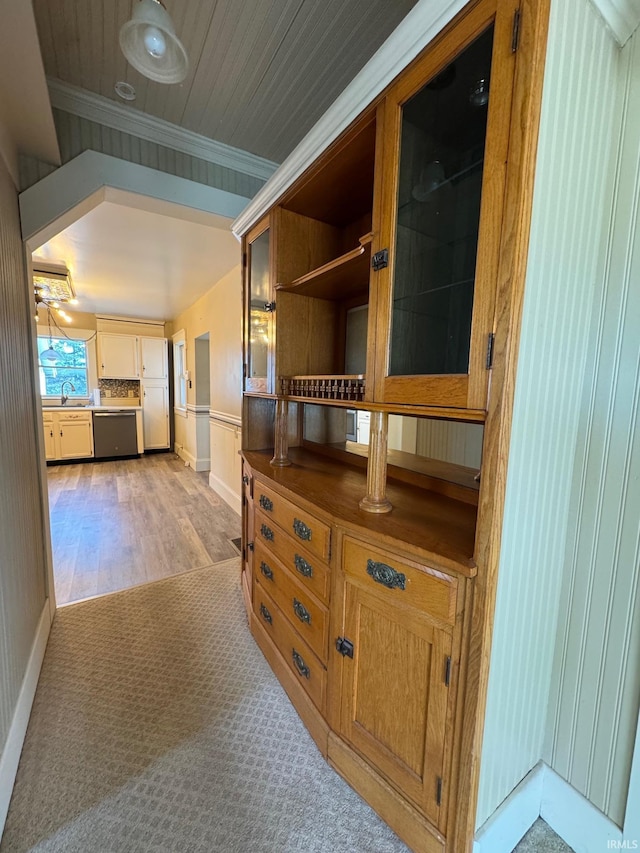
{"type": "Point", "coordinates": [341, 278]}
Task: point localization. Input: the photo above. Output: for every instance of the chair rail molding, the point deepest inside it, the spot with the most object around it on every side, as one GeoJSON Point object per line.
{"type": "Point", "coordinates": [621, 16]}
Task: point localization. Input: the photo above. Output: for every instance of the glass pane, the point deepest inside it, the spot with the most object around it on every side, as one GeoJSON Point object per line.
{"type": "Point", "coordinates": [258, 317]}
{"type": "Point", "coordinates": [440, 182]}
{"type": "Point", "coordinates": [69, 365]}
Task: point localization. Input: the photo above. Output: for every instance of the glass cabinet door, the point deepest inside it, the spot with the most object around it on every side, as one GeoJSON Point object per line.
{"type": "Point", "coordinates": [441, 266]}
{"type": "Point", "coordinates": [258, 318]}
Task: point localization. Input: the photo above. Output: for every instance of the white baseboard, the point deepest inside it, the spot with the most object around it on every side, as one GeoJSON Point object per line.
{"type": "Point", "coordinates": [196, 464]}
{"type": "Point", "coordinates": [227, 494]}
{"type": "Point", "coordinates": [576, 820]}
{"type": "Point", "coordinates": [514, 817]}
{"type": "Point", "coordinates": [542, 793]}
{"type": "Point", "coordinates": [18, 729]}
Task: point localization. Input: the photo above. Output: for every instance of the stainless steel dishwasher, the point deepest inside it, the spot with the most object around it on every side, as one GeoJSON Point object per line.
{"type": "Point", "coordinates": [114, 434]}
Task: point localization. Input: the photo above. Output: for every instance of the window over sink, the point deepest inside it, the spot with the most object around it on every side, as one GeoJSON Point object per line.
{"type": "Point", "coordinates": [71, 366]}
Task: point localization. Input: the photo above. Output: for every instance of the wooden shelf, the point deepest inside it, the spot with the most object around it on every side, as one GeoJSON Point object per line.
{"type": "Point", "coordinates": [435, 527]}
{"type": "Point", "coordinates": [342, 278]}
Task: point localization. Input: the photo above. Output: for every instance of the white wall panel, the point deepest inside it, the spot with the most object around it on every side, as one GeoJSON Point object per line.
{"type": "Point", "coordinates": [597, 667]}
{"type": "Point", "coordinates": [22, 556]}
{"type": "Point", "coordinates": [572, 202]}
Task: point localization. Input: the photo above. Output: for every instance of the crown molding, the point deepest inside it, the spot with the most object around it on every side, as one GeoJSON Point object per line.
{"type": "Point", "coordinates": [80, 102]}
{"type": "Point", "coordinates": [414, 32]}
{"type": "Point", "coordinates": [621, 16]}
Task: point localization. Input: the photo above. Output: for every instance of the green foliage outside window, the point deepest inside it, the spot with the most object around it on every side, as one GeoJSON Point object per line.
{"type": "Point", "coordinates": [71, 366]}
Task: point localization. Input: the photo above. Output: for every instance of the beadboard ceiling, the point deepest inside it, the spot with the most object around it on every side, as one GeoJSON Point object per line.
{"type": "Point", "coordinates": [262, 72]}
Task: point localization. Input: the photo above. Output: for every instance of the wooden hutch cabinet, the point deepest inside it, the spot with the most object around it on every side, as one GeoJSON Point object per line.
{"type": "Point", "coordinates": [387, 279]}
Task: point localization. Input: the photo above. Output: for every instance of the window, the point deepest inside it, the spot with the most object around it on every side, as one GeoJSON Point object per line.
{"type": "Point", "coordinates": [70, 367]}
{"type": "Point", "coordinates": [180, 371]}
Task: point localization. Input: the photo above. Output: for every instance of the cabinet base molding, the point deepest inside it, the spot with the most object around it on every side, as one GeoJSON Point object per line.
{"type": "Point", "coordinates": [307, 711]}
{"type": "Point", "coordinates": [414, 829]}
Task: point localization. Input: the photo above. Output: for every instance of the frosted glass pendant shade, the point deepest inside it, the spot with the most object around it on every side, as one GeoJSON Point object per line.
{"type": "Point", "coordinates": [150, 43]}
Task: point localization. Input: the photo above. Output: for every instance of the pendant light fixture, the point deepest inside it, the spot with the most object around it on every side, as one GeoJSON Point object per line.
{"type": "Point", "coordinates": [150, 43]}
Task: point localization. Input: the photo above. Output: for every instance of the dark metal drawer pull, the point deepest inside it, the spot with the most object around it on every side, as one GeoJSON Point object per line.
{"type": "Point", "coordinates": [266, 570]}
{"type": "Point", "coordinates": [266, 615]}
{"type": "Point", "coordinates": [387, 576]}
{"type": "Point", "coordinates": [301, 530]}
{"type": "Point", "coordinates": [302, 566]}
{"type": "Point", "coordinates": [267, 532]}
{"type": "Point", "coordinates": [301, 611]}
{"type": "Point", "coordinates": [300, 665]}
{"type": "Point", "coordinates": [265, 503]}
{"type": "Point", "coordinates": [245, 479]}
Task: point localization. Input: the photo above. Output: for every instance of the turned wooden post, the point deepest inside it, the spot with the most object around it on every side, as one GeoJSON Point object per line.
{"type": "Point", "coordinates": [281, 441]}
{"type": "Point", "coordinates": [376, 499]}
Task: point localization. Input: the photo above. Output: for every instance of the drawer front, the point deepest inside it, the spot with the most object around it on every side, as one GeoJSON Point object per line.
{"type": "Point", "coordinates": [309, 618]}
{"type": "Point", "coordinates": [307, 568]}
{"type": "Point", "coordinates": [299, 524]}
{"type": "Point", "coordinates": [84, 417]}
{"type": "Point", "coordinates": [298, 656]}
{"type": "Point", "coordinates": [416, 586]}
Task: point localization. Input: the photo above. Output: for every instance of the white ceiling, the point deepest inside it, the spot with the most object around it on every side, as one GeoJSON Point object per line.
{"type": "Point", "coordinates": [142, 263]}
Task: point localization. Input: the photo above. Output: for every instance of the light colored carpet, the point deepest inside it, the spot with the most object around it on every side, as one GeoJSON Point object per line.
{"type": "Point", "coordinates": [158, 726]}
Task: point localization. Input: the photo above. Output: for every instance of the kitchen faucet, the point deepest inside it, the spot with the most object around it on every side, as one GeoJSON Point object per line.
{"type": "Point", "coordinates": [64, 399]}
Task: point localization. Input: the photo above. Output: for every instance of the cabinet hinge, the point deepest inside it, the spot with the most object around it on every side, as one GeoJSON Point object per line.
{"type": "Point", "coordinates": [439, 791]}
{"type": "Point", "coordinates": [490, 341]}
{"type": "Point", "coordinates": [380, 260]}
{"type": "Point", "coordinates": [270, 307]}
{"type": "Point", "coordinates": [515, 33]}
{"type": "Point", "coordinates": [447, 671]}
{"type": "Point", "coordinates": [244, 259]}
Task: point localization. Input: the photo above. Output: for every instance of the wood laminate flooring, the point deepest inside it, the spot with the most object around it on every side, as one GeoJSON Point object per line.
{"type": "Point", "coordinates": [120, 523]}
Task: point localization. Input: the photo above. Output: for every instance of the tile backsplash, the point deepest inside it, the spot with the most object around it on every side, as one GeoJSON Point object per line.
{"type": "Point", "coordinates": [119, 387]}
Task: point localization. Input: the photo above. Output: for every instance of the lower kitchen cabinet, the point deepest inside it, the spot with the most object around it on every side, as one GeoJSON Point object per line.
{"type": "Point", "coordinates": [68, 435]}
{"type": "Point", "coordinates": [155, 414]}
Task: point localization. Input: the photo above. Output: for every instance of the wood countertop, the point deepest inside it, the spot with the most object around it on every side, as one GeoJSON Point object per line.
{"type": "Point", "coordinates": [434, 527]}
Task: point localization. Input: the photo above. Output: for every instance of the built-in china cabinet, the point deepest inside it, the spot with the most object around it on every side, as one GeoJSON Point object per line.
{"type": "Point", "coordinates": [387, 279]}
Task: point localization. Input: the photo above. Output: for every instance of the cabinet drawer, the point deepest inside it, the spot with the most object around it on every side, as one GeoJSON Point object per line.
{"type": "Point", "coordinates": [82, 417]}
{"type": "Point", "coordinates": [307, 568]}
{"type": "Point", "coordinates": [417, 586]}
{"type": "Point", "coordinates": [309, 618]}
{"type": "Point", "coordinates": [303, 527]}
{"type": "Point", "coordinates": [299, 658]}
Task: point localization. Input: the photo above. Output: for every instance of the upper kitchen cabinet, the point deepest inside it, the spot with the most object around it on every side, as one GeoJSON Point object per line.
{"type": "Point", "coordinates": [441, 173]}
{"type": "Point", "coordinates": [153, 355]}
{"type": "Point", "coordinates": [118, 356]}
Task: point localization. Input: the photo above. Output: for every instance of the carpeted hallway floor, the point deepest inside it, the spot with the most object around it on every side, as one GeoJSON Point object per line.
{"type": "Point", "coordinates": [158, 726]}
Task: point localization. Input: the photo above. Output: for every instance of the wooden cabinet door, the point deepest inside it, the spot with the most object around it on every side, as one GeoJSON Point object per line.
{"type": "Point", "coordinates": [394, 693]}
{"type": "Point", "coordinates": [258, 313]}
{"type": "Point", "coordinates": [440, 184]}
{"type": "Point", "coordinates": [76, 438]}
{"type": "Point", "coordinates": [153, 353]}
{"type": "Point", "coordinates": [118, 356]}
{"type": "Point", "coordinates": [155, 415]}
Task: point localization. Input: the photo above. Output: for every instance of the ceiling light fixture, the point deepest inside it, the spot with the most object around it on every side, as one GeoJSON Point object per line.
{"type": "Point", "coordinates": [51, 290]}
{"type": "Point", "coordinates": [150, 43]}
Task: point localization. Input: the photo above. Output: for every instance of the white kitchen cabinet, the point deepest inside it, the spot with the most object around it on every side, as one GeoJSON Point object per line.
{"type": "Point", "coordinates": [153, 356]}
{"type": "Point", "coordinates": [68, 435]}
{"type": "Point", "coordinates": [155, 414]}
{"type": "Point", "coordinates": [49, 437]}
{"type": "Point", "coordinates": [118, 356]}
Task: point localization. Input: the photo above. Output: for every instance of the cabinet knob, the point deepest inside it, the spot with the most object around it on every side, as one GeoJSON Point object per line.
{"type": "Point", "coordinates": [266, 570]}
{"type": "Point", "coordinates": [265, 614]}
{"type": "Point", "coordinates": [301, 611]}
{"type": "Point", "coordinates": [267, 532]}
{"type": "Point", "coordinates": [300, 665]}
{"type": "Point", "coordinates": [245, 479]}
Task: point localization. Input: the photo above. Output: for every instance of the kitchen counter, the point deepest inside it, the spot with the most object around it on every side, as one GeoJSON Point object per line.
{"type": "Point", "coordinates": [73, 408]}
